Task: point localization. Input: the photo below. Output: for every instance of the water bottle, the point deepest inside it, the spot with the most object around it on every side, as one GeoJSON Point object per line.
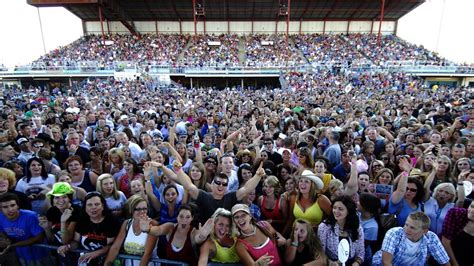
{"type": "Point", "coordinates": [83, 263]}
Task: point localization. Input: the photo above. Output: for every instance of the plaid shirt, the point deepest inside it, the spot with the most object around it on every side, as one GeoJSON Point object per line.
{"type": "Point", "coordinates": [395, 244]}
{"type": "Point", "coordinates": [454, 223]}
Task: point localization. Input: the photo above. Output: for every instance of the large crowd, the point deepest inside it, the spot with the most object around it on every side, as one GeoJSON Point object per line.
{"type": "Point", "coordinates": [212, 50]}
{"type": "Point", "coordinates": [252, 177]}
{"type": "Point", "coordinates": [230, 50]}
{"type": "Point", "coordinates": [271, 50]}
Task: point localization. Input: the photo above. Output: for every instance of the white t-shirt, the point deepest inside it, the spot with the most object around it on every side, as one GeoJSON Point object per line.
{"type": "Point", "coordinates": [116, 204]}
{"type": "Point", "coordinates": [35, 186]}
{"type": "Point", "coordinates": [409, 255]}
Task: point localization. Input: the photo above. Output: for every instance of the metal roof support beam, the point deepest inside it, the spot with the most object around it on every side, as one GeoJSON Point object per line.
{"type": "Point", "coordinates": [299, 30]}
{"type": "Point", "coordinates": [113, 7]}
{"type": "Point", "coordinates": [331, 10]}
{"type": "Point", "coordinates": [102, 25]}
{"type": "Point", "coordinates": [288, 22]}
{"type": "Point", "coordinates": [382, 10]}
{"type": "Point", "coordinates": [194, 16]}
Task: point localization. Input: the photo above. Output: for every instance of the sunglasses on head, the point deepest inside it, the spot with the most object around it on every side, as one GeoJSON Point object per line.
{"type": "Point", "coordinates": [219, 183]}
{"type": "Point", "coordinates": [412, 189]}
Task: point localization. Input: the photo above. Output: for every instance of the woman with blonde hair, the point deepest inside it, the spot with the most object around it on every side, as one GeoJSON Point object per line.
{"type": "Point", "coordinates": [131, 238]}
{"type": "Point", "coordinates": [7, 185]}
{"type": "Point", "coordinates": [309, 203]}
{"type": "Point", "coordinates": [274, 208]}
{"type": "Point", "coordinates": [257, 242]}
{"type": "Point", "coordinates": [114, 198]}
{"type": "Point", "coordinates": [220, 246]}
{"type": "Point", "coordinates": [114, 165]}
{"type": "Point", "coordinates": [442, 200]}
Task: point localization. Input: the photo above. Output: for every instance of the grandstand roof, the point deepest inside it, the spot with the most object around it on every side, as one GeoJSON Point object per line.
{"type": "Point", "coordinates": [240, 10]}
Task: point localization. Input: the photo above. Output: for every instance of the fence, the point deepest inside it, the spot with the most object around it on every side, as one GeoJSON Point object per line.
{"type": "Point", "coordinates": [123, 257]}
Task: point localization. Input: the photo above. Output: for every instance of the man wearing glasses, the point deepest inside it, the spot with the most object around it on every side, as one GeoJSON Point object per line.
{"type": "Point", "coordinates": [273, 156]}
{"type": "Point", "coordinates": [208, 202]}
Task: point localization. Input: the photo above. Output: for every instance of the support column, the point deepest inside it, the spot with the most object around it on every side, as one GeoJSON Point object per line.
{"type": "Point", "coordinates": [180, 28]}
{"type": "Point", "coordinates": [348, 26]}
{"type": "Point", "coordinates": [41, 29]}
{"type": "Point", "coordinates": [382, 10]}
{"type": "Point", "coordinates": [299, 31]}
{"type": "Point", "coordinates": [194, 16]}
{"type": "Point", "coordinates": [191, 80]}
{"type": "Point", "coordinates": [324, 27]}
{"type": "Point", "coordinates": [156, 27]}
{"type": "Point", "coordinates": [242, 83]}
{"type": "Point", "coordinates": [102, 25]}
{"type": "Point", "coordinates": [288, 22]}
{"type": "Point", "coordinates": [228, 26]}
{"type": "Point", "coordinates": [372, 27]}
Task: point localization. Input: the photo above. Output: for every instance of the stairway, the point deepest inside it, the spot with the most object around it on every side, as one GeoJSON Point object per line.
{"type": "Point", "coordinates": [242, 53]}
{"type": "Point", "coordinates": [186, 47]}
{"type": "Point", "coordinates": [291, 41]}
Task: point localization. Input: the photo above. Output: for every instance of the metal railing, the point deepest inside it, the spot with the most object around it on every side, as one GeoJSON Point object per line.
{"type": "Point", "coordinates": [122, 257]}
{"type": "Point", "coordinates": [91, 68]}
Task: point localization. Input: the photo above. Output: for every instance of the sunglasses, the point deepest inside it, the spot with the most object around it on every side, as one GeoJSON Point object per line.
{"type": "Point", "coordinates": [412, 189]}
{"type": "Point", "coordinates": [219, 183]}
{"type": "Point", "coordinates": [141, 209]}
{"type": "Point", "coordinates": [211, 161]}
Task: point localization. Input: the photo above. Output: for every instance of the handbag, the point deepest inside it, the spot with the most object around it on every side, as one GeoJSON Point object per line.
{"type": "Point", "coordinates": [389, 220]}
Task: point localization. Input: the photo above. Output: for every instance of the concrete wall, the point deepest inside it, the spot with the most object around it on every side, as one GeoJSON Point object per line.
{"type": "Point", "coordinates": [242, 27]}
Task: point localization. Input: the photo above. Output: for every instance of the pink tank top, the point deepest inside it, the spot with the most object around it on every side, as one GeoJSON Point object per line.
{"type": "Point", "coordinates": [267, 247]}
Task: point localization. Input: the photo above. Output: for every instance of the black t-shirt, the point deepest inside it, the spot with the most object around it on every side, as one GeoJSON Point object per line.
{"type": "Point", "coordinates": [94, 236]}
{"type": "Point", "coordinates": [54, 216]}
{"type": "Point", "coordinates": [208, 205]}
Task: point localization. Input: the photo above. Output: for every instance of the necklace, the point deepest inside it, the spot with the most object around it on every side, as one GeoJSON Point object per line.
{"type": "Point", "coordinates": [250, 234]}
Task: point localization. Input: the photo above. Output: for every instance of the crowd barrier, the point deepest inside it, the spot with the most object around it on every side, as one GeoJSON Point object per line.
{"type": "Point", "coordinates": [123, 257]}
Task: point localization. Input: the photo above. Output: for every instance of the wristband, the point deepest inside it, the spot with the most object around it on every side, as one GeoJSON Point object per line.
{"type": "Point", "coordinates": [460, 184]}
{"type": "Point", "coordinates": [294, 244]}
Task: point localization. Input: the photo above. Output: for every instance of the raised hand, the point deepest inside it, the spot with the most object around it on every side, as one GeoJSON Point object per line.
{"type": "Point", "coordinates": [66, 215]}
{"type": "Point", "coordinates": [260, 171]}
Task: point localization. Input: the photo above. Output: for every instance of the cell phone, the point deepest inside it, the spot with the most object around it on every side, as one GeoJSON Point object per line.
{"type": "Point", "coordinates": [383, 191]}
{"type": "Point", "coordinates": [196, 139]}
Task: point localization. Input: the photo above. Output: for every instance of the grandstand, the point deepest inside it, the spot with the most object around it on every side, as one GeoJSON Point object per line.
{"type": "Point", "coordinates": [217, 98]}
{"type": "Point", "coordinates": [239, 42]}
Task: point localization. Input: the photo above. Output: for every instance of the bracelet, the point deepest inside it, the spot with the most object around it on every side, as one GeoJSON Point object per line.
{"type": "Point", "coordinates": [294, 244]}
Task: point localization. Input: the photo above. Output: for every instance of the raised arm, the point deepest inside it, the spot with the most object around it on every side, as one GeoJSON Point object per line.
{"type": "Point", "coordinates": [155, 203]}
{"type": "Point", "coordinates": [352, 186]}
{"type": "Point", "coordinates": [173, 152]}
{"type": "Point", "coordinates": [185, 181]}
{"type": "Point", "coordinates": [117, 245]}
{"type": "Point", "coordinates": [398, 194]}
{"type": "Point", "coordinates": [251, 184]}
{"type": "Point", "coordinates": [429, 180]}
